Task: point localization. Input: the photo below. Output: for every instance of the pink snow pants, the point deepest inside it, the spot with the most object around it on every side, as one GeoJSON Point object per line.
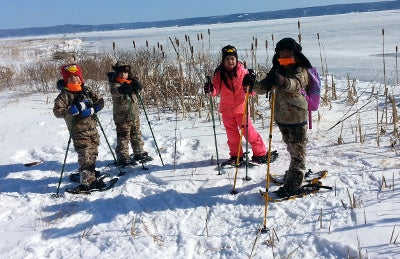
{"type": "Point", "coordinates": [233, 125]}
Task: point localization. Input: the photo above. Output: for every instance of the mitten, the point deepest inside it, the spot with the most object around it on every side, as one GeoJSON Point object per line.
{"type": "Point", "coordinates": [274, 78]}
{"type": "Point", "coordinates": [73, 110]}
{"type": "Point", "coordinates": [249, 80]}
{"type": "Point", "coordinates": [83, 105]}
{"type": "Point", "coordinates": [87, 112]}
{"type": "Point", "coordinates": [208, 87]}
{"type": "Point", "coordinates": [125, 89]}
{"type": "Point", "coordinates": [136, 85]}
{"type": "Point", "coordinates": [97, 108]}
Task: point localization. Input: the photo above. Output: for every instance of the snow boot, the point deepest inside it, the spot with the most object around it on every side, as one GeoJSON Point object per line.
{"type": "Point", "coordinates": [124, 161]}
{"type": "Point", "coordinates": [75, 177]}
{"type": "Point", "coordinates": [142, 157]}
{"type": "Point", "coordinates": [264, 159]}
{"type": "Point", "coordinates": [96, 185]}
{"type": "Point", "coordinates": [232, 161]}
{"type": "Point", "coordinates": [293, 182]}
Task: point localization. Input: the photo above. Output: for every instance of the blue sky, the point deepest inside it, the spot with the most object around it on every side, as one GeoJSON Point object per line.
{"type": "Point", "coordinates": [40, 13]}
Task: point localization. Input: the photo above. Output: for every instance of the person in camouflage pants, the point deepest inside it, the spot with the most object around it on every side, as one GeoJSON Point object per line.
{"type": "Point", "coordinates": [77, 104]}
{"type": "Point", "coordinates": [288, 75]}
{"type": "Point", "coordinates": [124, 89]}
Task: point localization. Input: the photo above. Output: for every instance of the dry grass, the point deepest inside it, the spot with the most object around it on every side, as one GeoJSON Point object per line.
{"type": "Point", "coordinates": [173, 80]}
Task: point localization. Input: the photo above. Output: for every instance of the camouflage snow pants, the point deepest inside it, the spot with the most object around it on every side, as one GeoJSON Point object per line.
{"type": "Point", "coordinates": [86, 144]}
{"type": "Point", "coordinates": [128, 132]}
{"type": "Point", "coordinates": [295, 139]}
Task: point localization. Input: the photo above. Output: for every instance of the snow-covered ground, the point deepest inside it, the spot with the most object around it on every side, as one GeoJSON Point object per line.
{"type": "Point", "coordinates": [184, 209]}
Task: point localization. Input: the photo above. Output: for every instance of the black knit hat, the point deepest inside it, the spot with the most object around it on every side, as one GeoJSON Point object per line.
{"type": "Point", "coordinates": [288, 43]}
{"type": "Point", "coordinates": [229, 51]}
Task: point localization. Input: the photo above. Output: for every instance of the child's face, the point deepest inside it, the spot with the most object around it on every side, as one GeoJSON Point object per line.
{"type": "Point", "coordinates": [286, 53]}
{"type": "Point", "coordinates": [123, 75]}
{"type": "Point", "coordinates": [74, 80]}
{"type": "Point", "coordinates": [230, 62]}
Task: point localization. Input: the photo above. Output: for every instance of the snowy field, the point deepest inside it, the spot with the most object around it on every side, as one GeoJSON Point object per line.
{"type": "Point", "coordinates": [184, 209]}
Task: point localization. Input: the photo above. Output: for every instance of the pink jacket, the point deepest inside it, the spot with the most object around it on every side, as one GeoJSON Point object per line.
{"type": "Point", "coordinates": [231, 101]}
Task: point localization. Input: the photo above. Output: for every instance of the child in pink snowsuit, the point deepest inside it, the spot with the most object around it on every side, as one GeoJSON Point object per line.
{"type": "Point", "coordinates": [227, 82]}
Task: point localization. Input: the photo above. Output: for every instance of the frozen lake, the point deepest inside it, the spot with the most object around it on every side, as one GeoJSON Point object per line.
{"type": "Point", "coordinates": [351, 43]}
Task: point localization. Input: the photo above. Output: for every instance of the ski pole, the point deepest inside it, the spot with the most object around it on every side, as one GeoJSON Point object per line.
{"type": "Point", "coordinates": [134, 125]}
{"type": "Point", "coordinates": [109, 146]}
{"type": "Point", "coordinates": [247, 178]}
{"type": "Point", "coordinates": [175, 137]}
{"type": "Point", "coordinates": [63, 166]}
{"type": "Point", "coordinates": [148, 122]}
{"type": "Point", "coordinates": [264, 229]}
{"type": "Point", "coordinates": [233, 191]}
{"type": "Point", "coordinates": [213, 121]}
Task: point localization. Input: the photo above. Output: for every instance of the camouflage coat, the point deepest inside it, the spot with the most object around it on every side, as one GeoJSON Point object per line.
{"type": "Point", "coordinates": [66, 98]}
{"type": "Point", "coordinates": [83, 131]}
{"type": "Point", "coordinates": [128, 131]}
{"type": "Point", "coordinates": [121, 111]}
{"type": "Point", "coordinates": [290, 106]}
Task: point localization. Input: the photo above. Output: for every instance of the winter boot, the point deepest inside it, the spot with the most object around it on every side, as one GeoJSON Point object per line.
{"type": "Point", "coordinates": [76, 177]}
{"type": "Point", "coordinates": [232, 161]}
{"type": "Point", "coordinates": [88, 182]}
{"type": "Point", "coordinates": [293, 182]}
{"type": "Point", "coordinates": [264, 159]}
{"type": "Point", "coordinates": [87, 177]}
{"type": "Point", "coordinates": [124, 161]}
{"type": "Point", "coordinates": [142, 157]}
{"type": "Point", "coordinates": [95, 185]}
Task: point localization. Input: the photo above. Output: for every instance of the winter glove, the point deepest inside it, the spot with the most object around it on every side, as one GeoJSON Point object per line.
{"type": "Point", "coordinates": [87, 112]}
{"type": "Point", "coordinates": [136, 85]}
{"type": "Point", "coordinates": [208, 87]}
{"type": "Point", "coordinates": [125, 89]}
{"type": "Point", "coordinates": [249, 80]}
{"type": "Point", "coordinates": [73, 110]}
{"type": "Point", "coordinates": [274, 78]}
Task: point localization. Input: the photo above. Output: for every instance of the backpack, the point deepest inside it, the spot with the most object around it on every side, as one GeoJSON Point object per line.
{"type": "Point", "coordinates": [312, 93]}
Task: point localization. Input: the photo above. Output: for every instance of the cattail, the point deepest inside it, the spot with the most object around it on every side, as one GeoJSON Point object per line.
{"type": "Point", "coordinates": [384, 70]}
{"type": "Point", "coordinates": [397, 69]}
{"type": "Point", "coordinates": [298, 26]}
{"type": "Point", "coordinates": [273, 41]}
{"type": "Point", "coordinates": [147, 44]}
{"type": "Point", "coordinates": [134, 44]}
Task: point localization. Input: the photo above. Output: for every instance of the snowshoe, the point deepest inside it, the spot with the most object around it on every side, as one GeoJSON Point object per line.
{"type": "Point", "coordinates": [283, 195]}
{"type": "Point", "coordinates": [309, 177]}
{"type": "Point", "coordinates": [96, 186]}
